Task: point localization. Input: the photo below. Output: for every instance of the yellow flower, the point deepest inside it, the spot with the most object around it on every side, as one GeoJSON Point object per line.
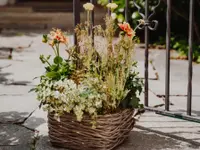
{"type": "Point", "coordinates": [88, 6]}
{"type": "Point", "coordinates": [112, 6]}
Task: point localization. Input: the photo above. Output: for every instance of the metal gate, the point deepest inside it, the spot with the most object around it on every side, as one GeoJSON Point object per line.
{"type": "Point", "coordinates": [147, 26]}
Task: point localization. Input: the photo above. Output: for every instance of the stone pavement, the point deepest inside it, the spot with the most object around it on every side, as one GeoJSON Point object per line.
{"type": "Point", "coordinates": [23, 125]}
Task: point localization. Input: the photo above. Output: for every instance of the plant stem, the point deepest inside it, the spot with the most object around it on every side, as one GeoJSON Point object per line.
{"type": "Point", "coordinates": [137, 27]}
{"type": "Point", "coordinates": [57, 48]}
{"type": "Point", "coordinates": [47, 62]}
{"type": "Point", "coordinates": [54, 51]}
{"type": "Point", "coordinates": [88, 16]}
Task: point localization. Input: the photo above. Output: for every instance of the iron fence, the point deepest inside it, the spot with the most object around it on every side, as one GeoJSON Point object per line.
{"type": "Point", "coordinates": [152, 25]}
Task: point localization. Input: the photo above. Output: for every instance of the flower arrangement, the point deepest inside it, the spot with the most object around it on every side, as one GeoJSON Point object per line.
{"type": "Point", "coordinates": [98, 77]}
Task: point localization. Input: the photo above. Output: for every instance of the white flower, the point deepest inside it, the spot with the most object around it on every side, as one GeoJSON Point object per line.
{"type": "Point", "coordinates": [112, 6]}
{"type": "Point", "coordinates": [114, 15]}
{"type": "Point", "coordinates": [59, 83]}
{"type": "Point", "coordinates": [56, 94]}
{"type": "Point", "coordinates": [91, 96]}
{"type": "Point", "coordinates": [88, 6]}
{"type": "Point", "coordinates": [98, 104]}
{"type": "Point", "coordinates": [91, 110]}
{"type": "Point", "coordinates": [79, 113]}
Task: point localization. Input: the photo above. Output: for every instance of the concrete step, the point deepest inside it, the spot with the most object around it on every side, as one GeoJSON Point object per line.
{"type": "Point", "coordinates": [65, 6]}
{"type": "Point", "coordinates": [44, 20]}
{"type": "Point", "coordinates": [16, 9]}
{"type": "Point", "coordinates": [41, 6]}
{"type": "Point", "coordinates": [43, 15]}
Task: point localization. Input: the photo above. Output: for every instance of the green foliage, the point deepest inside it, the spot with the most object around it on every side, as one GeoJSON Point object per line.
{"type": "Point", "coordinates": [135, 87]}
{"type": "Point", "coordinates": [182, 47]}
{"type": "Point", "coordinates": [180, 44]}
{"type": "Point", "coordinates": [59, 69]}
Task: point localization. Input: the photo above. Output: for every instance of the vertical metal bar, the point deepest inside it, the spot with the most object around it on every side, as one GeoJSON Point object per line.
{"type": "Point", "coordinates": [146, 102]}
{"type": "Point", "coordinates": [109, 12]}
{"type": "Point", "coordinates": [168, 36]}
{"type": "Point", "coordinates": [126, 10]}
{"type": "Point", "coordinates": [190, 53]}
{"type": "Point", "coordinates": [76, 14]}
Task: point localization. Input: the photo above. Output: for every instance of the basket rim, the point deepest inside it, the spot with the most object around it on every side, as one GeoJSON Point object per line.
{"type": "Point", "coordinates": [119, 111]}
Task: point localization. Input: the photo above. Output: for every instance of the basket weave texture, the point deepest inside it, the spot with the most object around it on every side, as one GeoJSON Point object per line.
{"type": "Point", "coordinates": [111, 131]}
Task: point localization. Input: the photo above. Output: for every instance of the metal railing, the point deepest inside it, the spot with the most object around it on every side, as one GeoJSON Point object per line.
{"type": "Point", "coordinates": [147, 18]}
{"type": "Point", "coordinates": [152, 25]}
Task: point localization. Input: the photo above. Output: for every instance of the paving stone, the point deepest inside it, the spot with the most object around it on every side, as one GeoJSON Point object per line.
{"type": "Point", "coordinates": [17, 41]}
{"type": "Point", "coordinates": [139, 57]}
{"type": "Point", "coordinates": [140, 69]}
{"type": "Point", "coordinates": [44, 144]}
{"type": "Point", "coordinates": [7, 90]}
{"type": "Point", "coordinates": [145, 140]}
{"type": "Point", "coordinates": [137, 140]}
{"type": "Point", "coordinates": [38, 121]}
{"type": "Point", "coordinates": [180, 105]}
{"type": "Point", "coordinates": [15, 135]}
{"type": "Point", "coordinates": [17, 147]}
{"type": "Point", "coordinates": [30, 71]}
{"type": "Point", "coordinates": [177, 88]}
{"type": "Point", "coordinates": [27, 60]}
{"type": "Point", "coordinates": [17, 108]}
{"type": "Point", "coordinates": [171, 126]}
{"type": "Point", "coordinates": [154, 101]}
{"type": "Point", "coordinates": [178, 75]}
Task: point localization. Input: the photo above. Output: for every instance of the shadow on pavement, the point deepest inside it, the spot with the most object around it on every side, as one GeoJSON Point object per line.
{"type": "Point", "coordinates": [6, 117]}
{"type": "Point", "coordinates": [16, 136]}
{"type": "Point", "coordinates": [138, 140]}
{"type": "Point", "coordinates": [3, 78]}
{"type": "Point", "coordinates": [144, 140]}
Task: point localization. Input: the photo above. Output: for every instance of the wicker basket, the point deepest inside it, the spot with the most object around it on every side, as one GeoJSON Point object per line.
{"type": "Point", "coordinates": [111, 131]}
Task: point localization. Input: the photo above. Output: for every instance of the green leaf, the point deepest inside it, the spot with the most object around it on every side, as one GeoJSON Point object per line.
{"type": "Point", "coordinates": [31, 90]}
{"type": "Point", "coordinates": [48, 69]}
{"type": "Point", "coordinates": [35, 78]}
{"type": "Point", "coordinates": [198, 60]}
{"type": "Point", "coordinates": [58, 60]}
{"type": "Point", "coordinates": [48, 57]}
{"type": "Point", "coordinates": [54, 67]}
{"type": "Point", "coordinates": [44, 39]}
{"type": "Point", "coordinates": [62, 70]}
{"type": "Point", "coordinates": [53, 75]}
{"type": "Point", "coordinates": [125, 102]}
{"type": "Point", "coordinates": [134, 102]}
{"type": "Point", "coordinates": [42, 59]}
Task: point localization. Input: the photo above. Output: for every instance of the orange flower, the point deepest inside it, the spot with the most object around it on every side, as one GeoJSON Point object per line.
{"type": "Point", "coordinates": [58, 35]}
{"type": "Point", "coordinates": [127, 28]}
{"type": "Point", "coordinates": [131, 33]}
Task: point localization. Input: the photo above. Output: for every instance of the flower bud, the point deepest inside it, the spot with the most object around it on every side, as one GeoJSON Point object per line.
{"type": "Point", "coordinates": [44, 39]}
